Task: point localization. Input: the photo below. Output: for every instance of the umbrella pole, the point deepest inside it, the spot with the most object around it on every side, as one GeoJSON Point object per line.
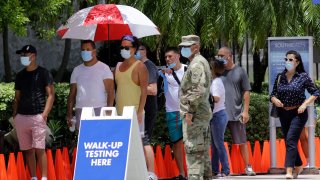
{"type": "Point", "coordinates": [109, 43]}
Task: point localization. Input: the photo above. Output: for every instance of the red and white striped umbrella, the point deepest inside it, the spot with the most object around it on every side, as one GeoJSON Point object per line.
{"type": "Point", "coordinates": [107, 22]}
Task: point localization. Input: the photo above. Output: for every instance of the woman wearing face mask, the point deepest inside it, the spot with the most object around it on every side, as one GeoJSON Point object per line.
{"type": "Point", "coordinates": [288, 95]}
{"type": "Point", "coordinates": [219, 121]}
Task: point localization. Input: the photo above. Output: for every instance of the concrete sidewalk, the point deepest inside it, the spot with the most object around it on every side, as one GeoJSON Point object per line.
{"type": "Point", "coordinates": [268, 177]}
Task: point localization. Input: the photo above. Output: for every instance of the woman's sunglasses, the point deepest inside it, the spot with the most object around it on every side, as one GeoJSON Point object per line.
{"type": "Point", "coordinates": [125, 47]}
{"type": "Point", "coordinates": [286, 59]}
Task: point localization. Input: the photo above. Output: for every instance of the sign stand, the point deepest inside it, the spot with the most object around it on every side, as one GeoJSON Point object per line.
{"type": "Point", "coordinates": [109, 147]}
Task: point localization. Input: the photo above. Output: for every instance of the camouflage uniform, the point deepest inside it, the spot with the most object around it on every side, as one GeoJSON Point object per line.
{"type": "Point", "coordinates": [194, 95]}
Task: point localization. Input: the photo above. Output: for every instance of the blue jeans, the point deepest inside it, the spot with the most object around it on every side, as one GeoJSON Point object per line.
{"type": "Point", "coordinates": [292, 124]}
{"type": "Point", "coordinates": [218, 126]}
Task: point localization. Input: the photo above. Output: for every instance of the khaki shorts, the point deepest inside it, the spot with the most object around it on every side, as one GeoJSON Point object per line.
{"type": "Point", "coordinates": [31, 131]}
{"type": "Point", "coordinates": [238, 132]}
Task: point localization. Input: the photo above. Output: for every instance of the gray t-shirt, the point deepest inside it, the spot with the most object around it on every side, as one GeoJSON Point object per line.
{"type": "Point", "coordinates": [153, 71]}
{"type": "Point", "coordinates": [235, 82]}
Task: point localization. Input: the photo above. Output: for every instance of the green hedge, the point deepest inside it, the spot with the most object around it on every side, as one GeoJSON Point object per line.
{"type": "Point", "coordinates": [257, 128]}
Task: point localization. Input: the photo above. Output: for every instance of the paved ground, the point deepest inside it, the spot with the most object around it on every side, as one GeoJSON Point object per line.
{"type": "Point", "coordinates": [268, 177]}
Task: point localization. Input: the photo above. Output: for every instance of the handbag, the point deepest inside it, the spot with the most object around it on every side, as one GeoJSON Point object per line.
{"type": "Point", "coordinates": [274, 108]}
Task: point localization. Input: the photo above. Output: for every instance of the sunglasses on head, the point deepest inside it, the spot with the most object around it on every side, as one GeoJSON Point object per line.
{"type": "Point", "coordinates": [125, 47]}
{"type": "Point", "coordinates": [286, 59]}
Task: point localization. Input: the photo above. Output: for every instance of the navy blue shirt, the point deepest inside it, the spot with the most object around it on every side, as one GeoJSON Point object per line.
{"type": "Point", "coordinates": [293, 93]}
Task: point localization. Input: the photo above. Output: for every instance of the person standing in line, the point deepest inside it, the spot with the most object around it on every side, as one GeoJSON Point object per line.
{"type": "Point", "coordinates": [195, 109]}
{"type": "Point", "coordinates": [91, 84]}
{"type": "Point", "coordinates": [172, 76]}
{"type": "Point", "coordinates": [288, 95]}
{"type": "Point", "coordinates": [132, 79]}
{"type": "Point", "coordinates": [33, 101]}
{"type": "Point", "coordinates": [151, 106]}
{"type": "Point", "coordinates": [218, 122]}
{"type": "Point", "coordinates": [237, 87]}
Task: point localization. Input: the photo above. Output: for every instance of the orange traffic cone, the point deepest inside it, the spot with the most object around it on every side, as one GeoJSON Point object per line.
{"type": "Point", "coordinates": [20, 167]}
{"type": "Point", "coordinates": [168, 162]}
{"type": "Point", "coordinates": [3, 172]}
{"type": "Point", "coordinates": [175, 168]}
{"type": "Point", "coordinates": [156, 170]}
{"type": "Point", "coordinates": [60, 174]}
{"type": "Point", "coordinates": [265, 159]}
{"type": "Point", "coordinates": [256, 165]}
{"type": "Point", "coordinates": [66, 163]}
{"type": "Point", "coordinates": [302, 156]}
{"type": "Point", "coordinates": [279, 165]}
{"type": "Point", "coordinates": [28, 173]}
{"type": "Point", "coordinates": [51, 170]}
{"type": "Point", "coordinates": [317, 153]}
{"type": "Point", "coordinates": [229, 159]}
{"type": "Point", "coordinates": [250, 153]}
{"type": "Point", "coordinates": [12, 173]}
{"type": "Point", "coordinates": [39, 174]}
{"type": "Point", "coordinates": [235, 159]}
{"type": "Point", "coordinates": [282, 154]}
{"type": "Point", "coordinates": [74, 154]}
{"type": "Point", "coordinates": [160, 163]}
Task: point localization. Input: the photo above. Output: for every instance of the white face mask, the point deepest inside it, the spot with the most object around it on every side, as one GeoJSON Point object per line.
{"type": "Point", "coordinates": [25, 60]}
{"type": "Point", "coordinates": [186, 52]}
{"type": "Point", "coordinates": [125, 54]}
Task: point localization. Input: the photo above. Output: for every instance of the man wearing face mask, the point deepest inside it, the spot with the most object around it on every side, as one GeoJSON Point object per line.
{"type": "Point", "coordinates": [34, 96]}
{"type": "Point", "coordinates": [195, 109]}
{"type": "Point", "coordinates": [132, 78]}
{"type": "Point", "coordinates": [172, 77]}
{"type": "Point", "coordinates": [151, 106]}
{"type": "Point", "coordinates": [237, 101]}
{"type": "Point", "coordinates": [91, 84]}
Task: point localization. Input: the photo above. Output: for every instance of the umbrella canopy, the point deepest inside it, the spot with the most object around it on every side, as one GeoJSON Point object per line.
{"type": "Point", "coordinates": [107, 22]}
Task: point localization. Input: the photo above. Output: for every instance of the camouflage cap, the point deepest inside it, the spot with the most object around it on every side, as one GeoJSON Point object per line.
{"type": "Point", "coordinates": [189, 40]}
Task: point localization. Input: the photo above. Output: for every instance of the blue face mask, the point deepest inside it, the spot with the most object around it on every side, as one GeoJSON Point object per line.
{"type": "Point", "coordinates": [289, 66]}
{"type": "Point", "coordinates": [186, 52]}
{"type": "Point", "coordinates": [137, 55]}
{"type": "Point", "coordinates": [125, 54]}
{"type": "Point", "coordinates": [86, 55]}
{"type": "Point", "coordinates": [25, 60]}
{"type": "Point", "coordinates": [172, 65]}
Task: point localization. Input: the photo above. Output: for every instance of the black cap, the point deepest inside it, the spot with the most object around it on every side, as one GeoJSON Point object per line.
{"type": "Point", "coordinates": [27, 49]}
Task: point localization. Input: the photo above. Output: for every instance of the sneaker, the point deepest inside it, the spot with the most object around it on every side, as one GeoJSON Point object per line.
{"type": "Point", "coordinates": [289, 176]}
{"type": "Point", "coordinates": [297, 171]}
{"type": "Point", "coordinates": [152, 176]}
{"type": "Point", "coordinates": [249, 171]}
{"type": "Point", "coordinates": [221, 176]}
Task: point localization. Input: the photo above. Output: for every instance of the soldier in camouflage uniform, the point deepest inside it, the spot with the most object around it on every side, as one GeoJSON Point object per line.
{"type": "Point", "coordinates": [195, 109]}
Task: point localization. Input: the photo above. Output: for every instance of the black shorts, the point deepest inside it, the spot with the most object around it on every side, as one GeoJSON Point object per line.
{"type": "Point", "coordinates": [151, 109]}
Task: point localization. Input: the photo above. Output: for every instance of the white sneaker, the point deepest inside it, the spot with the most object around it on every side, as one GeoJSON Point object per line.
{"type": "Point", "coordinates": [249, 171]}
{"type": "Point", "coordinates": [152, 176]}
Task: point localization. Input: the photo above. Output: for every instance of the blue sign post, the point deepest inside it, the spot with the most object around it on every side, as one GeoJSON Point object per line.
{"type": "Point", "coordinates": [109, 147]}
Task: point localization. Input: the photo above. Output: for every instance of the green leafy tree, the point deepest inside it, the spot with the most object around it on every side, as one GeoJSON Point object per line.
{"type": "Point", "coordinates": [18, 15]}
{"type": "Point", "coordinates": [13, 17]}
